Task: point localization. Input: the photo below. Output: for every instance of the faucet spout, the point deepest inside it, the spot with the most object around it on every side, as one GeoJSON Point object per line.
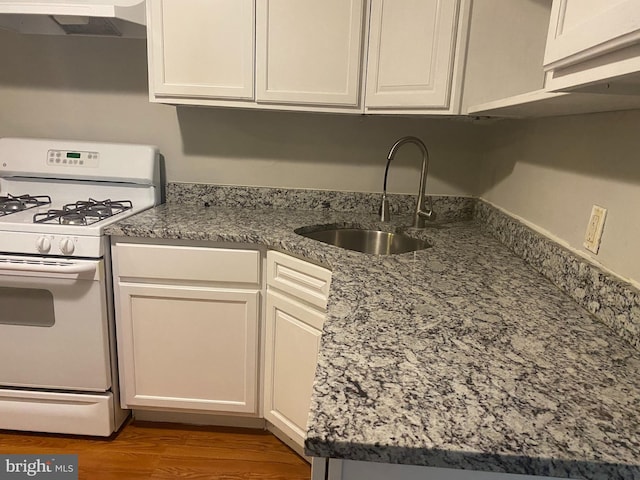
{"type": "Point", "coordinates": [421, 215]}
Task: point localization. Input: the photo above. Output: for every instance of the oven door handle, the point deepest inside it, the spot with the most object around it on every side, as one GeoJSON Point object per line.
{"type": "Point", "coordinates": [47, 267]}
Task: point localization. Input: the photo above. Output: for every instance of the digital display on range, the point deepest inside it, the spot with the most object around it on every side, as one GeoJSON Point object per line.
{"type": "Point", "coordinates": [73, 155]}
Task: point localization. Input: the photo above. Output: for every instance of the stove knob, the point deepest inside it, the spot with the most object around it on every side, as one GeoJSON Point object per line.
{"type": "Point", "coordinates": [67, 246]}
{"type": "Point", "coordinates": [43, 244]}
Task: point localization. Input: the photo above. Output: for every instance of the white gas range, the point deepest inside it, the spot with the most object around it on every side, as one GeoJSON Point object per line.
{"type": "Point", "coordinates": [57, 344]}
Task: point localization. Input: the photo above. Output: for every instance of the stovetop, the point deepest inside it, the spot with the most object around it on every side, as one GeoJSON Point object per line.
{"type": "Point", "coordinates": [81, 212]}
{"type": "Point", "coordinates": [56, 196]}
{"type": "Point", "coordinates": [65, 207]}
{"type": "Point", "coordinates": [16, 203]}
{"type": "Point", "coordinates": [65, 223]}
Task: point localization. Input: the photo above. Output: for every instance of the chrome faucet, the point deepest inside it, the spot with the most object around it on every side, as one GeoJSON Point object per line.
{"type": "Point", "coordinates": [420, 215]}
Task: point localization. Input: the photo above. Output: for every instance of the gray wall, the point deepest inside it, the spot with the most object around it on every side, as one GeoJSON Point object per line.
{"type": "Point", "coordinates": [96, 89]}
{"type": "Point", "coordinates": [551, 171]}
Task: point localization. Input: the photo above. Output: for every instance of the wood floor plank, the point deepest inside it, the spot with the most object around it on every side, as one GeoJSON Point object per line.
{"type": "Point", "coordinates": [140, 437]}
{"type": "Point", "coordinates": [200, 469]}
{"type": "Point", "coordinates": [153, 451]}
{"type": "Point", "coordinates": [249, 445]}
{"type": "Point", "coordinates": [26, 440]}
{"type": "Point", "coordinates": [102, 465]}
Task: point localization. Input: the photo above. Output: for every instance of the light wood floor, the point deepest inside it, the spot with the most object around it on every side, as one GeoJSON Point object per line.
{"type": "Point", "coordinates": [143, 450]}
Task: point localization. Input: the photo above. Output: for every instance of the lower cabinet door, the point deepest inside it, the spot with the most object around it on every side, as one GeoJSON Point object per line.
{"type": "Point", "coordinates": [188, 348]}
{"type": "Point", "coordinates": [293, 333]}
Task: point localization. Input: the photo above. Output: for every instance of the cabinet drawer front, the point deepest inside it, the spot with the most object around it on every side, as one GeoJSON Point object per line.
{"type": "Point", "coordinates": [178, 263]}
{"type": "Point", "coordinates": [301, 279]}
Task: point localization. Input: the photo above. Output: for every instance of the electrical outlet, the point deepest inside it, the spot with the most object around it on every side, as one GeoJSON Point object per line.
{"type": "Point", "coordinates": [594, 229]}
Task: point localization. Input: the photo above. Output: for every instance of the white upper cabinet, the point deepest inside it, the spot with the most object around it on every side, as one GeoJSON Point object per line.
{"type": "Point", "coordinates": [421, 57]}
{"type": "Point", "coordinates": [594, 42]}
{"type": "Point", "coordinates": [309, 55]}
{"type": "Point", "coordinates": [582, 29]}
{"type": "Point", "coordinates": [412, 54]}
{"type": "Point", "coordinates": [309, 52]}
{"type": "Point", "coordinates": [201, 49]}
{"type": "Point", "coordinates": [577, 40]}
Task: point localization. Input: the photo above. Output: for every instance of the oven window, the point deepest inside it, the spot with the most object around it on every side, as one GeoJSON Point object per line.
{"type": "Point", "coordinates": [26, 306]}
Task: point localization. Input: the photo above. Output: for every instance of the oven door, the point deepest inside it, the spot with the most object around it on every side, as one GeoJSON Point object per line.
{"type": "Point", "coordinates": [53, 324]}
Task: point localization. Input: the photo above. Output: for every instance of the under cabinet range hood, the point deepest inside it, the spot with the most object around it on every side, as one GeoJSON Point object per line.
{"type": "Point", "coordinates": [112, 18]}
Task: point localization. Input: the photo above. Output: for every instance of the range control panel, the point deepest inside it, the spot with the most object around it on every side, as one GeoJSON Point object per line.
{"type": "Point", "coordinates": [72, 158]}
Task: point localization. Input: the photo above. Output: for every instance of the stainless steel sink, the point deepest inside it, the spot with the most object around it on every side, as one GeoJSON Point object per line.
{"type": "Point", "coordinates": [374, 242]}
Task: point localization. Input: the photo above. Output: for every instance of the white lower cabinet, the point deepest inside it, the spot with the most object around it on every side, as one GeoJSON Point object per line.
{"type": "Point", "coordinates": [293, 333]}
{"type": "Point", "coordinates": [188, 331]}
{"type": "Point", "coordinates": [187, 323]}
{"type": "Point", "coordinates": [193, 348]}
{"type": "Point", "coordinates": [293, 329]}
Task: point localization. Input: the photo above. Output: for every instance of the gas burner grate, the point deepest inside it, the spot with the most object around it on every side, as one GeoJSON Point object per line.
{"type": "Point", "coordinates": [84, 212]}
{"type": "Point", "coordinates": [11, 203]}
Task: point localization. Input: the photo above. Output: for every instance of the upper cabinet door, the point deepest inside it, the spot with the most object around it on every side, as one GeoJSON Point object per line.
{"type": "Point", "coordinates": [309, 51]}
{"type": "Point", "coordinates": [201, 48]}
{"type": "Point", "coordinates": [584, 29]}
{"type": "Point", "coordinates": [411, 53]}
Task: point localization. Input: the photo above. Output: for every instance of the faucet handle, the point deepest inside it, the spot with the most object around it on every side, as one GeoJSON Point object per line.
{"type": "Point", "coordinates": [385, 216]}
{"type": "Point", "coordinates": [425, 215]}
{"type": "Point", "coordinates": [428, 215]}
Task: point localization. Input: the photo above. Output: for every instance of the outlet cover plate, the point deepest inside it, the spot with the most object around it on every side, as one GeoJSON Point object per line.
{"type": "Point", "coordinates": [594, 229]}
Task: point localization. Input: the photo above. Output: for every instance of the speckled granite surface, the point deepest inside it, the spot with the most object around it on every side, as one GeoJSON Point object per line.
{"type": "Point", "coordinates": [613, 301]}
{"type": "Point", "coordinates": [449, 208]}
{"type": "Point", "coordinates": [458, 356]}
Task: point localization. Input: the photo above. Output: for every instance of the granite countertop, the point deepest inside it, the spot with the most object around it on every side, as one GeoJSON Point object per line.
{"type": "Point", "coordinates": [457, 356]}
